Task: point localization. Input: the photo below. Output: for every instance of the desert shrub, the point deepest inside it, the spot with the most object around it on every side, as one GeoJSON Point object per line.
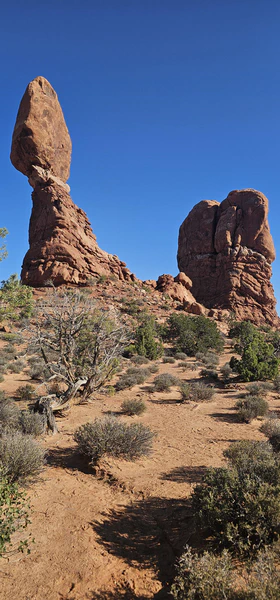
{"type": "Point", "coordinates": [264, 579]}
{"type": "Point", "coordinates": [193, 334]}
{"type": "Point", "coordinates": [133, 407]}
{"type": "Point", "coordinates": [259, 388]}
{"type": "Point", "coordinates": [200, 392]}
{"type": "Point", "coordinates": [17, 366]}
{"type": "Point", "coordinates": [111, 437]}
{"type": "Point", "coordinates": [31, 423]}
{"type": "Point", "coordinates": [146, 339]}
{"type": "Point", "coordinates": [14, 516]}
{"type": "Point", "coordinates": [1, 377]}
{"type": "Point", "coordinates": [185, 391]}
{"type": "Point", "coordinates": [164, 381]}
{"type": "Point", "coordinates": [257, 362]}
{"type": "Point", "coordinates": [9, 350]}
{"type": "Point", "coordinates": [206, 577]}
{"type": "Point", "coordinates": [133, 376]}
{"type": "Point", "coordinates": [38, 370]}
{"type": "Point", "coordinates": [9, 415]}
{"type": "Point", "coordinates": [153, 368]}
{"type": "Point", "coordinates": [254, 458]}
{"type": "Point", "coordinates": [276, 384]}
{"type": "Point", "coordinates": [168, 359]}
{"type": "Point", "coordinates": [194, 366]}
{"type": "Point", "coordinates": [271, 428]}
{"type": "Point", "coordinates": [209, 373]}
{"type": "Point", "coordinates": [250, 408]}
{"type": "Point", "coordinates": [140, 360]}
{"type": "Point", "coordinates": [209, 359]}
{"type": "Point", "coordinates": [20, 456]}
{"type": "Point", "coordinates": [183, 364]}
{"type": "Point", "coordinates": [180, 356]}
{"type": "Point", "coordinates": [226, 372]}
{"type": "Point", "coordinates": [240, 511]}
{"type": "Point", "coordinates": [25, 392]}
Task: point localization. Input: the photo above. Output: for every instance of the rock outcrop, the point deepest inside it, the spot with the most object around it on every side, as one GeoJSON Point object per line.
{"type": "Point", "coordinates": [226, 249]}
{"type": "Point", "coordinates": [63, 248]}
{"type": "Point", "coordinates": [179, 289]}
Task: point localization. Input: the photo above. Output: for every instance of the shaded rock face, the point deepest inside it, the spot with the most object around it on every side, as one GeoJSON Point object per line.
{"type": "Point", "coordinates": [63, 248]}
{"type": "Point", "coordinates": [179, 289]}
{"type": "Point", "coordinates": [226, 249]}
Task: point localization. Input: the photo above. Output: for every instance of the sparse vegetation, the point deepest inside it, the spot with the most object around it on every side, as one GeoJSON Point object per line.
{"type": "Point", "coordinates": [133, 407]}
{"type": "Point", "coordinates": [164, 382]}
{"type": "Point", "coordinates": [147, 342]}
{"type": "Point", "coordinates": [192, 334]}
{"type": "Point", "coordinates": [14, 517]}
{"type": "Point", "coordinates": [200, 392]}
{"type": "Point", "coordinates": [251, 407]}
{"type": "Point", "coordinates": [111, 437]}
{"type": "Point", "coordinates": [21, 457]}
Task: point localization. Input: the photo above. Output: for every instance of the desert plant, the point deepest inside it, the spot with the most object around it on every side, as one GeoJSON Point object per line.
{"type": "Point", "coordinates": [250, 408]}
{"type": "Point", "coordinates": [193, 334]}
{"type": "Point", "coordinates": [20, 456]}
{"type": "Point", "coordinates": [16, 366]}
{"type": "Point", "coordinates": [271, 428]}
{"type": "Point", "coordinates": [164, 381]}
{"type": "Point", "coordinates": [276, 384]}
{"type": "Point", "coordinates": [16, 299]}
{"type": "Point", "coordinates": [254, 458]}
{"type": "Point", "coordinates": [226, 372]}
{"type": "Point", "coordinates": [257, 362]}
{"type": "Point", "coordinates": [168, 359]}
{"type": "Point", "coordinates": [14, 517]}
{"type": "Point", "coordinates": [133, 376]}
{"type": "Point", "coordinates": [133, 407]}
{"type": "Point", "coordinates": [153, 368]}
{"type": "Point", "coordinates": [264, 578]}
{"type": "Point", "coordinates": [140, 360]}
{"type": "Point", "coordinates": [25, 392]}
{"type": "Point", "coordinates": [241, 511]}
{"type": "Point", "coordinates": [31, 423]}
{"type": "Point", "coordinates": [185, 391]}
{"type": "Point", "coordinates": [146, 339]}
{"type": "Point", "coordinates": [180, 356]}
{"type": "Point", "coordinates": [209, 373]}
{"type": "Point", "coordinates": [9, 415]}
{"type": "Point", "coordinates": [111, 437]}
{"type": "Point", "coordinates": [200, 392]}
{"type": "Point", "coordinates": [206, 577]}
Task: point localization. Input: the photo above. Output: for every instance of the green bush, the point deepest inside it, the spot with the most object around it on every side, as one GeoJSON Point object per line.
{"type": "Point", "coordinates": [243, 333]}
{"type": "Point", "coordinates": [264, 578]}
{"type": "Point", "coordinates": [180, 356]}
{"type": "Point", "coordinates": [200, 392]}
{"type": "Point", "coordinates": [206, 577]}
{"type": "Point", "coordinates": [164, 381]}
{"type": "Point", "coordinates": [133, 407]}
{"type": "Point", "coordinates": [146, 339]}
{"type": "Point", "coordinates": [14, 516]}
{"type": "Point", "coordinates": [226, 372]}
{"type": "Point", "coordinates": [168, 359]}
{"type": "Point", "coordinates": [239, 510]}
{"type": "Point", "coordinates": [193, 334]}
{"type": "Point", "coordinates": [20, 456]}
{"type": "Point", "coordinates": [250, 408]}
{"type": "Point", "coordinates": [111, 437]}
{"type": "Point", "coordinates": [257, 362]}
{"type": "Point", "coordinates": [16, 300]}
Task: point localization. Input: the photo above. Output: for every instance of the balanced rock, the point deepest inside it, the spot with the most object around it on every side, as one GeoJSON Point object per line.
{"type": "Point", "coordinates": [226, 249]}
{"type": "Point", "coordinates": [63, 248]}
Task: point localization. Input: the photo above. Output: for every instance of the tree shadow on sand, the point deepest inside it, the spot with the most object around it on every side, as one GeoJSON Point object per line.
{"type": "Point", "coordinates": [148, 534]}
{"type": "Point", "coordinates": [188, 474]}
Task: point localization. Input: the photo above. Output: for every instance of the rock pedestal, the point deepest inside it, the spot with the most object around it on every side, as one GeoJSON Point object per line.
{"type": "Point", "coordinates": [226, 249]}
{"type": "Point", "coordinates": [63, 248]}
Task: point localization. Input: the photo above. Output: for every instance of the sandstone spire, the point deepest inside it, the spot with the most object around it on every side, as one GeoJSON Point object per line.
{"type": "Point", "coordinates": [227, 250]}
{"type": "Point", "coordinates": [63, 247]}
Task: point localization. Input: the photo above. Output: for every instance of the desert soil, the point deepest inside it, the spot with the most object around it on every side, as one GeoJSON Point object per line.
{"type": "Point", "coordinates": [116, 533]}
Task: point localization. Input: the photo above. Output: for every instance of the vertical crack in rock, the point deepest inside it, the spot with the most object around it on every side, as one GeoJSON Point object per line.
{"type": "Point", "coordinates": [63, 247]}
{"type": "Point", "coordinates": [226, 249]}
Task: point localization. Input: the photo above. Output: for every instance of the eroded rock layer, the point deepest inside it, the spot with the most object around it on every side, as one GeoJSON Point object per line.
{"type": "Point", "coordinates": [226, 249]}
{"type": "Point", "coordinates": [63, 248]}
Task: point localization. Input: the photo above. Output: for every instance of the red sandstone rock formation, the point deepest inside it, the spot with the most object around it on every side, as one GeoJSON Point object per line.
{"type": "Point", "coordinates": [178, 288]}
{"type": "Point", "coordinates": [227, 250]}
{"type": "Point", "coordinates": [63, 248]}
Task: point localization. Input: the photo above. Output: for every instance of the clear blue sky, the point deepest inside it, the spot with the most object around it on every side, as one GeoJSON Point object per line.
{"type": "Point", "coordinates": [168, 102]}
